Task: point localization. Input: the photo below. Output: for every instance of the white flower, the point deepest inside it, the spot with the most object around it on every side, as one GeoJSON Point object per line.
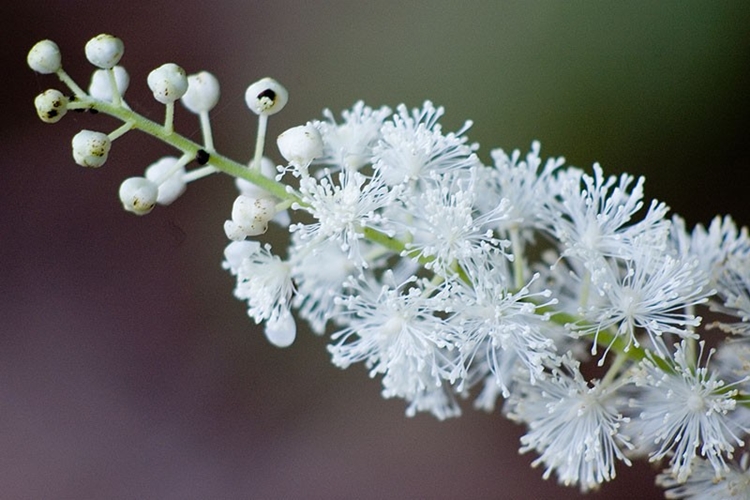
{"type": "Point", "coordinates": [399, 331]}
{"type": "Point", "coordinates": [349, 145]}
{"type": "Point", "coordinates": [319, 275]}
{"type": "Point", "coordinates": [528, 188]}
{"type": "Point", "coordinates": [650, 291]}
{"type": "Point", "coordinates": [686, 414]}
{"type": "Point", "coordinates": [263, 280]}
{"type": "Point", "coordinates": [342, 209]}
{"type": "Point", "coordinates": [445, 228]}
{"type": "Point", "coordinates": [573, 425]}
{"type": "Point", "coordinates": [500, 328]}
{"type": "Point", "coordinates": [597, 220]}
{"type": "Point", "coordinates": [703, 484]}
{"type": "Point", "coordinates": [413, 146]}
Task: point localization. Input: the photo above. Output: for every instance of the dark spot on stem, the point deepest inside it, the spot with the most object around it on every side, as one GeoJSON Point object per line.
{"type": "Point", "coordinates": [202, 156]}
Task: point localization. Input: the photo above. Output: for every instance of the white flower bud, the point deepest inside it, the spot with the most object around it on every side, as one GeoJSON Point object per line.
{"type": "Point", "coordinates": [282, 331]}
{"type": "Point", "coordinates": [268, 169]}
{"type": "Point", "coordinates": [90, 148]}
{"type": "Point", "coordinates": [202, 92]}
{"type": "Point", "coordinates": [266, 97]}
{"type": "Point", "coordinates": [253, 214]}
{"type": "Point", "coordinates": [170, 186]}
{"type": "Point", "coordinates": [300, 145]}
{"type": "Point", "coordinates": [100, 87]}
{"type": "Point", "coordinates": [51, 105]}
{"type": "Point", "coordinates": [168, 82]}
{"type": "Point", "coordinates": [104, 51]}
{"type": "Point", "coordinates": [45, 57]}
{"type": "Point", "coordinates": [234, 231]}
{"type": "Point", "coordinates": [138, 195]}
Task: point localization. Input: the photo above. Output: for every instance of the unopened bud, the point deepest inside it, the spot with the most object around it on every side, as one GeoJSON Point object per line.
{"type": "Point", "coordinates": [300, 145]}
{"type": "Point", "coordinates": [45, 57]}
{"type": "Point", "coordinates": [168, 82]}
{"type": "Point", "coordinates": [202, 92]}
{"type": "Point", "coordinates": [51, 105]}
{"type": "Point", "coordinates": [101, 88]}
{"type": "Point", "coordinates": [104, 51]}
{"type": "Point", "coordinates": [138, 195]}
{"type": "Point", "coordinates": [90, 148]}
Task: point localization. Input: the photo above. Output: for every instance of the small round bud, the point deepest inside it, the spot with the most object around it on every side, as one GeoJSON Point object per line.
{"type": "Point", "coordinates": [168, 82]}
{"type": "Point", "coordinates": [202, 93]}
{"type": "Point", "coordinates": [253, 214]}
{"type": "Point", "coordinates": [104, 51]}
{"type": "Point", "coordinates": [51, 105]}
{"type": "Point", "coordinates": [234, 231]}
{"type": "Point", "coordinates": [266, 97]}
{"type": "Point", "coordinates": [100, 87]}
{"type": "Point", "coordinates": [282, 330]}
{"type": "Point", "coordinates": [138, 195]}
{"type": "Point", "coordinates": [170, 182]}
{"type": "Point", "coordinates": [300, 145]}
{"type": "Point", "coordinates": [90, 149]}
{"type": "Point", "coordinates": [45, 57]}
{"type": "Point", "coordinates": [268, 169]}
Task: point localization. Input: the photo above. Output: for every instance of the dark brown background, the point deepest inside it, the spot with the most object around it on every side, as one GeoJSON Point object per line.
{"type": "Point", "coordinates": [127, 370]}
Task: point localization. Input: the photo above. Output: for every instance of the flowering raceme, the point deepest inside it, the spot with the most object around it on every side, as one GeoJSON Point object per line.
{"type": "Point", "coordinates": [450, 279]}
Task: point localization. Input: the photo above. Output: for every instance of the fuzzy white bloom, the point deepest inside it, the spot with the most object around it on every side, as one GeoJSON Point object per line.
{"type": "Point", "coordinates": [528, 188]}
{"type": "Point", "coordinates": [168, 82]}
{"type": "Point", "coordinates": [343, 209]}
{"type": "Point", "coordinates": [598, 220]}
{"type": "Point", "coordinates": [703, 484]}
{"type": "Point", "coordinates": [413, 146]}
{"type": "Point", "coordinates": [138, 195]}
{"type": "Point", "coordinates": [574, 425]}
{"type": "Point", "coordinates": [104, 51]}
{"type": "Point", "coordinates": [44, 57]}
{"type": "Point", "coordinates": [51, 105]}
{"type": "Point", "coordinates": [649, 291]}
{"type": "Point", "coordinates": [349, 145]}
{"type": "Point", "coordinates": [500, 329]}
{"type": "Point", "coordinates": [202, 93]}
{"type": "Point", "coordinates": [445, 229]}
{"type": "Point", "coordinates": [397, 330]}
{"type": "Point", "coordinates": [263, 280]}
{"type": "Point", "coordinates": [90, 148]}
{"type": "Point", "coordinates": [266, 97]}
{"type": "Point", "coordinates": [686, 414]}
{"type": "Point", "coordinates": [320, 275]}
{"type": "Point", "coordinates": [101, 86]}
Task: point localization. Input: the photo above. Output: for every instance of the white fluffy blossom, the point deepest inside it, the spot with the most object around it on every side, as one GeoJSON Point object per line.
{"type": "Point", "coordinates": [263, 280]}
{"type": "Point", "coordinates": [398, 330]}
{"type": "Point", "coordinates": [574, 425]}
{"type": "Point", "coordinates": [703, 484]}
{"type": "Point", "coordinates": [685, 414]}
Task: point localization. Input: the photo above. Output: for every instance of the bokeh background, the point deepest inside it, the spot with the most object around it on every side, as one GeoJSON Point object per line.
{"type": "Point", "coordinates": [127, 370]}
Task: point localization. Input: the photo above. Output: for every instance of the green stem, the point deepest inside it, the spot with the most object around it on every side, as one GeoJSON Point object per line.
{"type": "Point", "coordinates": [187, 146]}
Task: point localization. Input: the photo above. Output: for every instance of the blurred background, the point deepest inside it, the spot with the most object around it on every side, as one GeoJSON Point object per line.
{"type": "Point", "coordinates": [127, 369]}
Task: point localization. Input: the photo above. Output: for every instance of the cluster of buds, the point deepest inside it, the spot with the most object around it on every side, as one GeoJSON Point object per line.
{"type": "Point", "coordinates": [166, 179]}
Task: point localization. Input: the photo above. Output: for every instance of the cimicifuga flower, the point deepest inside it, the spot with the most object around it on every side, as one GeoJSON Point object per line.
{"type": "Point", "coordinates": [703, 483]}
{"type": "Point", "coordinates": [686, 413]}
{"type": "Point", "coordinates": [574, 425]}
{"type": "Point", "coordinates": [452, 274]}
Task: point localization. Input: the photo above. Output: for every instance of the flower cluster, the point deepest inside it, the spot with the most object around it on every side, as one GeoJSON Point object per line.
{"type": "Point", "coordinates": [451, 279]}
